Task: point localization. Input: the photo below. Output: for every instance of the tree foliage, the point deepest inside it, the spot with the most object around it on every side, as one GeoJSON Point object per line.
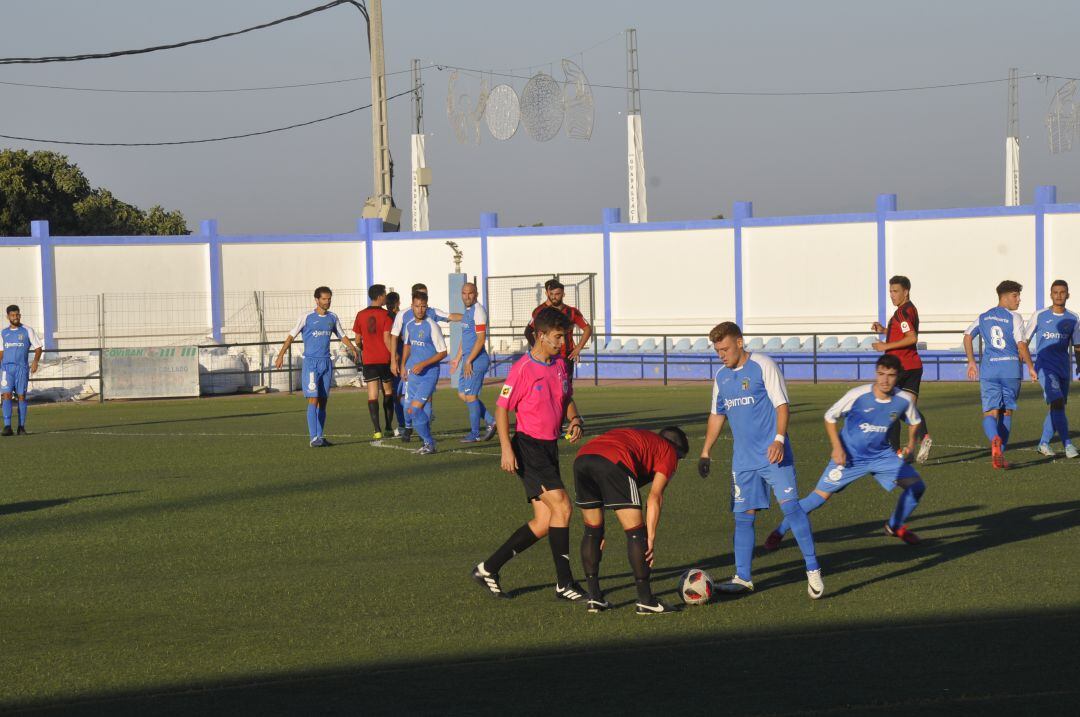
{"type": "Point", "coordinates": [46, 185]}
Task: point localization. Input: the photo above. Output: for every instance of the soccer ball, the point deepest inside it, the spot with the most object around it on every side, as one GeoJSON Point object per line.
{"type": "Point", "coordinates": [695, 587]}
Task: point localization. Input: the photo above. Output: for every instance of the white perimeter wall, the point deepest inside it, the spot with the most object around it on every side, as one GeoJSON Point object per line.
{"type": "Point", "coordinates": [400, 263]}
{"type": "Point", "coordinates": [815, 277]}
{"type": "Point", "coordinates": [21, 281]}
{"type": "Point", "coordinates": [672, 281]}
{"type": "Point", "coordinates": [1062, 233]}
{"type": "Point", "coordinates": [954, 265]}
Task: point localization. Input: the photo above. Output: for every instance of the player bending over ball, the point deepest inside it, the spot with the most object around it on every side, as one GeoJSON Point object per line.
{"type": "Point", "coordinates": [749, 391]}
{"type": "Point", "coordinates": [999, 373]}
{"type": "Point", "coordinates": [424, 349]}
{"type": "Point", "coordinates": [537, 390]}
{"type": "Point", "coordinates": [609, 472]}
{"type": "Point", "coordinates": [870, 412]}
{"type": "Point", "coordinates": [372, 330]}
{"type": "Point", "coordinates": [474, 367]}
{"type": "Point", "coordinates": [16, 367]}
{"type": "Point", "coordinates": [317, 371]}
{"type": "Point", "coordinates": [1050, 332]}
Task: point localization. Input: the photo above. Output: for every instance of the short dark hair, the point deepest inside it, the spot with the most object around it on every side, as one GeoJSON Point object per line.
{"type": "Point", "coordinates": [549, 319]}
{"type": "Point", "coordinates": [553, 284]}
{"type": "Point", "coordinates": [901, 281]}
{"type": "Point", "coordinates": [723, 330]}
{"type": "Point", "coordinates": [890, 361]}
{"type": "Point", "coordinates": [675, 436]}
{"type": "Point", "coordinates": [1009, 286]}
{"type": "Point", "coordinates": [375, 291]}
{"type": "Point", "coordinates": [13, 307]}
{"type": "Point", "coordinates": [393, 299]}
{"type": "Point", "coordinates": [422, 295]}
{"type": "Point", "coordinates": [323, 290]}
{"type": "Point", "coordinates": [1060, 282]}
{"type": "Point", "coordinates": [419, 287]}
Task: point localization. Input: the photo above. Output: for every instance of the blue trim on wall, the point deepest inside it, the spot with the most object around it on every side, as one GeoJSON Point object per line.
{"type": "Point", "coordinates": [886, 203]}
{"type": "Point", "coordinates": [968, 213]}
{"type": "Point", "coordinates": [534, 231]}
{"type": "Point", "coordinates": [488, 221]}
{"type": "Point", "coordinates": [1061, 208]}
{"type": "Point", "coordinates": [611, 215]}
{"type": "Point", "coordinates": [740, 213]}
{"type": "Point", "coordinates": [809, 219]}
{"type": "Point", "coordinates": [209, 234]}
{"type": "Point", "coordinates": [39, 230]}
{"type": "Point", "coordinates": [441, 234]}
{"type": "Point", "coordinates": [1044, 195]}
{"type": "Point", "coordinates": [620, 227]}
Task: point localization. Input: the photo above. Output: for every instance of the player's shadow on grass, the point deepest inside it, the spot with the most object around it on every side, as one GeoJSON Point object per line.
{"type": "Point", "coordinates": [193, 419]}
{"type": "Point", "coordinates": [27, 506]}
{"type": "Point", "coordinates": [967, 536]}
{"type": "Point", "coordinates": [982, 455]}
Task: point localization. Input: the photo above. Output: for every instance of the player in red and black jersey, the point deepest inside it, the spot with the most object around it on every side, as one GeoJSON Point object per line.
{"type": "Point", "coordinates": [372, 330]}
{"type": "Point", "coordinates": [609, 473]}
{"type": "Point", "coordinates": [901, 340]}
{"type": "Point", "coordinates": [571, 349]}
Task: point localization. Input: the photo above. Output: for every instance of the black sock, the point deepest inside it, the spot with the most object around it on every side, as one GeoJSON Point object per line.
{"type": "Point", "coordinates": [923, 429]}
{"type": "Point", "coordinates": [373, 410]}
{"type": "Point", "coordinates": [559, 539]}
{"type": "Point", "coordinates": [893, 435]}
{"type": "Point", "coordinates": [637, 544]}
{"type": "Point", "coordinates": [590, 558]}
{"type": "Point", "coordinates": [388, 410]}
{"type": "Point", "coordinates": [522, 539]}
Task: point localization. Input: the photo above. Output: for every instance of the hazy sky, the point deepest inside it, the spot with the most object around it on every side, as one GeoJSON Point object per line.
{"type": "Point", "coordinates": [789, 155]}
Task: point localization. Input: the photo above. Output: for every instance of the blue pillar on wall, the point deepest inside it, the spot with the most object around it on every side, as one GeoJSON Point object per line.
{"type": "Point", "coordinates": [488, 221]}
{"type": "Point", "coordinates": [1045, 194]}
{"type": "Point", "coordinates": [612, 215]}
{"type": "Point", "coordinates": [368, 229]}
{"type": "Point", "coordinates": [209, 229]}
{"type": "Point", "coordinates": [39, 230]}
{"type": "Point", "coordinates": [885, 203]}
{"type": "Point", "coordinates": [740, 212]}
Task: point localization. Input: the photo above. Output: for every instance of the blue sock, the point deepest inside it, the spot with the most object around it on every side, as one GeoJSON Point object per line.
{"type": "Point", "coordinates": [429, 409]}
{"type": "Point", "coordinates": [7, 412]}
{"type": "Point", "coordinates": [800, 528]}
{"type": "Point", "coordinates": [1005, 430]}
{"type": "Point", "coordinates": [990, 427]}
{"type": "Point", "coordinates": [1048, 428]}
{"type": "Point", "coordinates": [399, 413]}
{"type": "Point", "coordinates": [322, 419]}
{"type": "Point", "coordinates": [22, 411]}
{"type": "Point", "coordinates": [488, 418]}
{"type": "Point", "coordinates": [809, 504]}
{"type": "Point", "coordinates": [422, 424]}
{"type": "Point", "coordinates": [313, 420]}
{"type": "Point", "coordinates": [907, 503]}
{"type": "Point", "coordinates": [474, 418]}
{"type": "Point", "coordinates": [744, 544]}
{"type": "Point", "coordinates": [1061, 424]}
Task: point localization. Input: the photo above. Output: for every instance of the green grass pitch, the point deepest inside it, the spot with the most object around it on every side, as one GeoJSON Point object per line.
{"type": "Point", "coordinates": [195, 557]}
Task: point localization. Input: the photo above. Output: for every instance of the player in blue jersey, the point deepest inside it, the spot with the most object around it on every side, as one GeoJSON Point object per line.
{"type": "Point", "coordinates": [475, 365]}
{"type": "Point", "coordinates": [16, 367]}
{"type": "Point", "coordinates": [395, 363]}
{"type": "Point", "coordinates": [749, 392]}
{"type": "Point", "coordinates": [864, 446]}
{"type": "Point", "coordinates": [1050, 332]}
{"type": "Point", "coordinates": [317, 372]}
{"type": "Point", "coordinates": [1003, 349]}
{"type": "Point", "coordinates": [423, 350]}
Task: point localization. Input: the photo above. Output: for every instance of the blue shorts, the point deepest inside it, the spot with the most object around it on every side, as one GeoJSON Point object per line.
{"type": "Point", "coordinates": [317, 376]}
{"type": "Point", "coordinates": [1054, 386]}
{"type": "Point", "coordinates": [420, 389]}
{"type": "Point", "coordinates": [471, 386]}
{"type": "Point", "coordinates": [14, 378]}
{"type": "Point", "coordinates": [750, 489]}
{"type": "Point", "coordinates": [999, 393]}
{"type": "Point", "coordinates": [886, 469]}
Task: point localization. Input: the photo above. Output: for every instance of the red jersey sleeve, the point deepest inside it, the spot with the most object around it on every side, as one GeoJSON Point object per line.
{"type": "Point", "coordinates": [666, 463]}
{"type": "Point", "coordinates": [579, 319]}
{"type": "Point", "coordinates": [386, 323]}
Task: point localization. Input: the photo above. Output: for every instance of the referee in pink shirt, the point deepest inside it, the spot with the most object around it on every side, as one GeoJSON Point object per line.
{"type": "Point", "coordinates": [537, 389]}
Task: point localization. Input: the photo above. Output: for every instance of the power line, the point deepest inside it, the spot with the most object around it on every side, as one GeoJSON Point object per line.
{"type": "Point", "coordinates": [199, 141]}
{"type": "Point", "coordinates": [157, 48]}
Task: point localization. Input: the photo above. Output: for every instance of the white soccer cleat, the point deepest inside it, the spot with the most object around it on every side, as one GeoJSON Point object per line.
{"type": "Point", "coordinates": [815, 586]}
{"type": "Point", "coordinates": [924, 449]}
{"type": "Point", "coordinates": [1046, 450]}
{"type": "Point", "coordinates": [1070, 451]}
{"type": "Point", "coordinates": [736, 585]}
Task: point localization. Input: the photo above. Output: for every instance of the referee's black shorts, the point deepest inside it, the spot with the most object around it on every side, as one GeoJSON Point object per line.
{"type": "Point", "coordinates": [599, 483]}
{"type": "Point", "coordinates": [910, 380]}
{"type": "Point", "coordinates": [538, 465]}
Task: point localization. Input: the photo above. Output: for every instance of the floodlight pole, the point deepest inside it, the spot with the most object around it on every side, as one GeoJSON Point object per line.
{"type": "Point", "coordinates": [638, 211]}
{"type": "Point", "coordinates": [1012, 142]}
{"type": "Point", "coordinates": [381, 203]}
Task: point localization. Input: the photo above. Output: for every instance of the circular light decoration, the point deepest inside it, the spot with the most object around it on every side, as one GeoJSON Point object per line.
{"type": "Point", "coordinates": [578, 101]}
{"type": "Point", "coordinates": [503, 112]}
{"type": "Point", "coordinates": [542, 107]}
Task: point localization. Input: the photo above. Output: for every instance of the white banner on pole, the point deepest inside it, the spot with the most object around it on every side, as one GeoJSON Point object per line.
{"type": "Point", "coordinates": [1012, 172]}
{"type": "Point", "coordinates": [168, 372]}
{"type": "Point", "coordinates": [419, 191]}
{"type": "Point", "coordinates": [638, 209]}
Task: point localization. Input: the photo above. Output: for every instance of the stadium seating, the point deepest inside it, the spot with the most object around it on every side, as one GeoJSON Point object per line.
{"type": "Point", "coordinates": [829, 343]}
{"type": "Point", "coordinates": [681, 346]}
{"type": "Point", "coordinates": [649, 346]}
{"type": "Point", "coordinates": [631, 346]}
{"type": "Point", "coordinates": [772, 344]}
{"type": "Point", "coordinates": [756, 343]}
{"type": "Point", "coordinates": [867, 343]}
{"type": "Point", "coordinates": [792, 344]}
{"type": "Point", "coordinates": [613, 346]}
{"type": "Point", "coordinates": [850, 343]}
{"type": "Point", "coordinates": [701, 345]}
